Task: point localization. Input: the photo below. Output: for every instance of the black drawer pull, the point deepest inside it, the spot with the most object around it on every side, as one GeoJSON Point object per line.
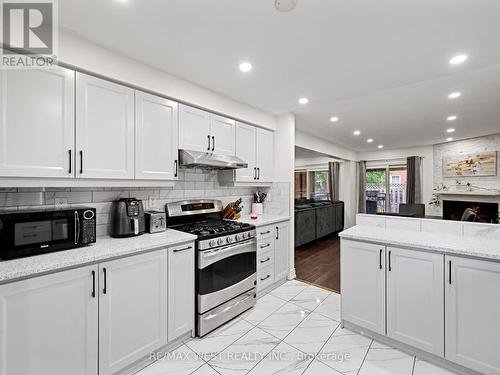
{"type": "Point", "coordinates": [105, 290]}
{"type": "Point", "coordinates": [93, 284]}
{"type": "Point", "coordinates": [265, 260]}
{"type": "Point", "coordinates": [380, 259]}
{"type": "Point", "coordinates": [262, 233]}
{"type": "Point", "coordinates": [183, 249]}
{"type": "Point", "coordinates": [265, 278]}
{"type": "Point", "coordinates": [266, 245]}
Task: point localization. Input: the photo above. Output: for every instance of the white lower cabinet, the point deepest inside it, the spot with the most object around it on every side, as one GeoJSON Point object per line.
{"type": "Point", "coordinates": [49, 324]}
{"type": "Point", "coordinates": [415, 310]}
{"type": "Point", "coordinates": [473, 313]}
{"type": "Point", "coordinates": [132, 309]}
{"type": "Point", "coordinates": [273, 245]}
{"type": "Point", "coordinates": [363, 284]}
{"type": "Point", "coordinates": [181, 296]}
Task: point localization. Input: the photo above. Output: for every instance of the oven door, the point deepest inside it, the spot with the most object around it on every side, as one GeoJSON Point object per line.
{"type": "Point", "coordinates": [225, 273]}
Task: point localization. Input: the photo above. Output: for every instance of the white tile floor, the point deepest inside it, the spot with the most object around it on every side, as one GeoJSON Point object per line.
{"type": "Point", "coordinates": [293, 330]}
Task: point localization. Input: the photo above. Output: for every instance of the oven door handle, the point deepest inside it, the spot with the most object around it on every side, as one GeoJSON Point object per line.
{"type": "Point", "coordinates": [208, 257]}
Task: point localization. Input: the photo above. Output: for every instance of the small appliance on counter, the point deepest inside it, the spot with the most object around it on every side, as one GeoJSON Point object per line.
{"type": "Point", "coordinates": [156, 221]}
{"type": "Point", "coordinates": [128, 218]}
{"type": "Point", "coordinates": [33, 232]}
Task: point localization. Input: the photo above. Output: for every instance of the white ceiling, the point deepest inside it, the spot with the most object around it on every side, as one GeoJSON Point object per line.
{"type": "Point", "coordinates": [381, 66]}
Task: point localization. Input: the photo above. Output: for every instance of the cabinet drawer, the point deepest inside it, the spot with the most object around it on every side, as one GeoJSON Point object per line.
{"type": "Point", "coordinates": [265, 277]}
{"type": "Point", "coordinates": [265, 245]}
{"type": "Point", "coordinates": [265, 232]}
{"type": "Point", "coordinates": [265, 258]}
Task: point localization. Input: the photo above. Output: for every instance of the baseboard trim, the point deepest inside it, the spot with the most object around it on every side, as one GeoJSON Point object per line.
{"type": "Point", "coordinates": [291, 274]}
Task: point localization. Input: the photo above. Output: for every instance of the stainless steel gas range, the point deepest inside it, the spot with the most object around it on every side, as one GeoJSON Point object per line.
{"type": "Point", "coordinates": [226, 253]}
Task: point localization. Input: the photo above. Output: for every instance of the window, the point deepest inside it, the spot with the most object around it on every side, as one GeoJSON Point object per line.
{"type": "Point", "coordinates": [312, 184]}
{"type": "Point", "coordinates": [385, 189]}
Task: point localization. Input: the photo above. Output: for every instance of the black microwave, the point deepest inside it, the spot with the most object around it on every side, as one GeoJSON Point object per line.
{"type": "Point", "coordinates": [25, 233]}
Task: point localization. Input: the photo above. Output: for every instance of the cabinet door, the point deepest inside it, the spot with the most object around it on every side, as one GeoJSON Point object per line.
{"type": "Point", "coordinates": [49, 325]}
{"type": "Point", "coordinates": [181, 295]}
{"type": "Point", "coordinates": [223, 133]}
{"type": "Point", "coordinates": [37, 123]}
{"type": "Point", "coordinates": [194, 129]}
{"type": "Point", "coordinates": [132, 309]}
{"type": "Point", "coordinates": [104, 128]}
{"type": "Point", "coordinates": [156, 137]}
{"type": "Point", "coordinates": [281, 250]}
{"type": "Point", "coordinates": [245, 150]}
{"type": "Point", "coordinates": [415, 293]}
{"type": "Point", "coordinates": [472, 310]}
{"type": "Point", "coordinates": [265, 155]}
{"type": "Point", "coordinates": [363, 284]}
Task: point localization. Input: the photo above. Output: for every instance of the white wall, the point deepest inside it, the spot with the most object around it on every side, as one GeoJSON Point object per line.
{"type": "Point", "coordinates": [284, 158]}
{"type": "Point", "coordinates": [90, 57]}
{"type": "Point", "coordinates": [427, 164]}
{"type": "Point", "coordinates": [320, 145]}
{"type": "Point", "coordinates": [349, 191]}
{"type": "Point", "coordinates": [313, 162]}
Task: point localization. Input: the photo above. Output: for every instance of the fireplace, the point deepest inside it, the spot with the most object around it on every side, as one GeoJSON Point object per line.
{"type": "Point", "coordinates": [480, 212]}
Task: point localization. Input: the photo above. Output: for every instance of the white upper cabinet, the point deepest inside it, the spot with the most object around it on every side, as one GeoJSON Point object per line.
{"type": "Point", "coordinates": [472, 306]}
{"type": "Point", "coordinates": [194, 129]}
{"type": "Point", "coordinates": [105, 129]}
{"type": "Point", "coordinates": [37, 123]}
{"type": "Point", "coordinates": [222, 133]}
{"type": "Point", "coordinates": [414, 294]}
{"type": "Point", "coordinates": [49, 324]}
{"type": "Point", "coordinates": [265, 155]}
{"type": "Point", "coordinates": [132, 309]}
{"type": "Point", "coordinates": [156, 137]}
{"type": "Point", "coordinates": [363, 284]}
{"type": "Point", "coordinates": [245, 150]}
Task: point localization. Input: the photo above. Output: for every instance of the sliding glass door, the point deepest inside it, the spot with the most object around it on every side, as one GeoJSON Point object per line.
{"type": "Point", "coordinates": [385, 189]}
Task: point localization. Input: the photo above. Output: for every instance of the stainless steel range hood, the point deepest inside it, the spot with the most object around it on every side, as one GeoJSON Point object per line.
{"type": "Point", "coordinates": [206, 160]}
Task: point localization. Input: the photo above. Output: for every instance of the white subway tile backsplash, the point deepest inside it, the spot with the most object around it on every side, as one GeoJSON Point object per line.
{"type": "Point", "coordinates": [22, 199]}
{"type": "Point", "coordinates": [107, 196]}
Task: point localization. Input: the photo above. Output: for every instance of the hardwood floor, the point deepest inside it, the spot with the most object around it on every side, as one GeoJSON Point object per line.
{"type": "Point", "coordinates": [318, 262]}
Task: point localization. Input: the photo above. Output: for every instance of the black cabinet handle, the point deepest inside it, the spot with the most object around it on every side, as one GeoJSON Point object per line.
{"type": "Point", "coordinates": [390, 268]}
{"type": "Point", "coordinates": [380, 259]}
{"type": "Point", "coordinates": [277, 233]}
{"type": "Point", "coordinates": [449, 272]}
{"type": "Point", "coordinates": [70, 161]}
{"type": "Point", "coordinates": [264, 278]}
{"type": "Point", "coordinates": [183, 249]}
{"type": "Point", "coordinates": [208, 137]}
{"type": "Point", "coordinates": [176, 169]}
{"type": "Point", "coordinates": [264, 246]}
{"type": "Point", "coordinates": [265, 260]}
{"type": "Point", "coordinates": [93, 284]}
{"type": "Point", "coordinates": [258, 173]}
{"type": "Point", "coordinates": [254, 173]}
{"type": "Point", "coordinates": [266, 232]}
{"type": "Point", "coordinates": [81, 161]}
{"type": "Point", "coordinates": [213, 143]}
{"type": "Point", "coordinates": [105, 290]}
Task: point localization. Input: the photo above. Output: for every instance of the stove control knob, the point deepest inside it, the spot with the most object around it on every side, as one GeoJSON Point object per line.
{"type": "Point", "coordinates": [238, 237]}
{"type": "Point", "coordinates": [229, 239]}
{"type": "Point", "coordinates": [220, 241]}
{"type": "Point", "coordinates": [211, 243]}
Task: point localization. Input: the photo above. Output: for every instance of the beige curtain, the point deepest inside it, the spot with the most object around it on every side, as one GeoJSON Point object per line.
{"type": "Point", "coordinates": [414, 180]}
{"type": "Point", "coordinates": [334, 177]}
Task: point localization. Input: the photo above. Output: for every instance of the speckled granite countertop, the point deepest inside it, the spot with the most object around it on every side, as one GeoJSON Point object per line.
{"type": "Point", "coordinates": [106, 248]}
{"type": "Point", "coordinates": [263, 219]}
{"type": "Point", "coordinates": [479, 247]}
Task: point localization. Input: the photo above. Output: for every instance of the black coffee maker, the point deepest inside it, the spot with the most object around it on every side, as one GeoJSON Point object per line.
{"type": "Point", "coordinates": [128, 218]}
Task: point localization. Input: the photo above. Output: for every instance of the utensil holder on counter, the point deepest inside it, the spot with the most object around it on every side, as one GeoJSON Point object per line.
{"type": "Point", "coordinates": [257, 208]}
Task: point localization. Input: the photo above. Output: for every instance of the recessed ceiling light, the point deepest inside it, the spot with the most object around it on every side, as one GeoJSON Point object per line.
{"type": "Point", "coordinates": [451, 118]}
{"type": "Point", "coordinates": [455, 95]}
{"type": "Point", "coordinates": [449, 139]}
{"type": "Point", "coordinates": [334, 119]}
{"type": "Point", "coordinates": [285, 5]}
{"type": "Point", "coordinates": [450, 130]}
{"type": "Point", "coordinates": [458, 59]}
{"type": "Point", "coordinates": [380, 146]}
{"type": "Point", "coordinates": [303, 100]}
{"type": "Point", "coordinates": [369, 140]}
{"type": "Point", "coordinates": [356, 132]}
{"type": "Point", "coordinates": [245, 67]}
